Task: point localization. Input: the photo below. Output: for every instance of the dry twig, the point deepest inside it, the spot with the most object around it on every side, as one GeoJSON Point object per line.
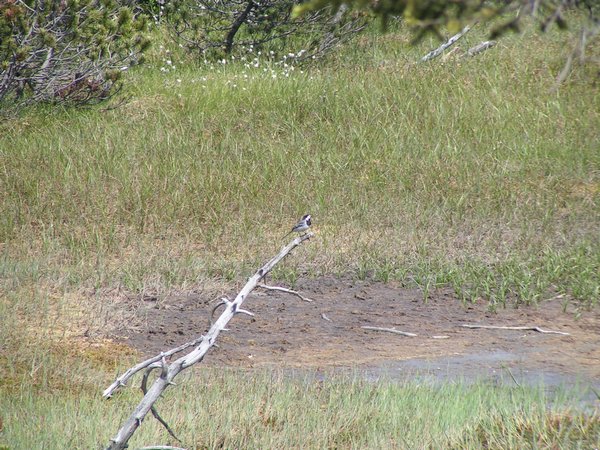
{"type": "Point", "coordinates": [282, 289]}
{"type": "Point", "coordinates": [438, 51]}
{"type": "Point", "coordinates": [495, 327]}
{"type": "Point", "coordinates": [390, 330]}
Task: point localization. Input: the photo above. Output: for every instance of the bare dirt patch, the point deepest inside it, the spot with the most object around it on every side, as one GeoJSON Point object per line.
{"type": "Point", "coordinates": [287, 332]}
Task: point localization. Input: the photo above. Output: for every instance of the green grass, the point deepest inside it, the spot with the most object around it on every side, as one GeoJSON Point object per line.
{"type": "Point", "coordinates": [239, 409]}
{"type": "Point", "coordinates": [474, 174]}
{"type": "Point", "coordinates": [412, 172]}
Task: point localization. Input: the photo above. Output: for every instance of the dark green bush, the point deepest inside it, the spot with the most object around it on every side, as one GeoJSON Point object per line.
{"type": "Point", "coordinates": [66, 51]}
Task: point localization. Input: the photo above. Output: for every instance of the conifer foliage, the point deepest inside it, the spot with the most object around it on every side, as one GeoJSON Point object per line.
{"type": "Point", "coordinates": [217, 28]}
{"type": "Point", "coordinates": [66, 51]}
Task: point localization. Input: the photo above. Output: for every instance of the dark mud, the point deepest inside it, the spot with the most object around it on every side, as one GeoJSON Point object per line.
{"type": "Point", "coordinates": [289, 333]}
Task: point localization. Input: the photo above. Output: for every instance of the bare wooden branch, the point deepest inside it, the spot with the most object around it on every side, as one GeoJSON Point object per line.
{"type": "Point", "coordinates": [495, 327]}
{"type": "Point", "coordinates": [204, 343]}
{"type": "Point", "coordinates": [155, 413]}
{"type": "Point", "coordinates": [390, 330]}
{"type": "Point", "coordinates": [324, 317]}
{"type": "Point", "coordinates": [481, 47]}
{"type": "Point", "coordinates": [288, 291]}
{"type": "Point", "coordinates": [122, 380]}
{"type": "Point", "coordinates": [161, 447]}
{"type": "Point", "coordinates": [438, 51]}
{"type": "Point", "coordinates": [588, 33]}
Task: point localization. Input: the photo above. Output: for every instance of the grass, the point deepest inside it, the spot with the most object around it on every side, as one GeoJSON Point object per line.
{"type": "Point", "coordinates": [212, 409]}
{"type": "Point", "coordinates": [474, 174]}
{"type": "Point", "coordinates": [411, 172]}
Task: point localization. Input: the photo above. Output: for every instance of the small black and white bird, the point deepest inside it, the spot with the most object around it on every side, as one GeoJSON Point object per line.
{"type": "Point", "coordinates": [302, 225]}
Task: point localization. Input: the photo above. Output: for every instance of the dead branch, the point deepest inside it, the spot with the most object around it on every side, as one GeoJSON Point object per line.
{"type": "Point", "coordinates": [324, 317]}
{"type": "Point", "coordinates": [155, 413]}
{"type": "Point", "coordinates": [438, 51]}
{"type": "Point", "coordinates": [481, 47]}
{"type": "Point", "coordinates": [161, 447]}
{"type": "Point", "coordinates": [390, 330]}
{"type": "Point", "coordinates": [151, 362]}
{"type": "Point", "coordinates": [282, 289]}
{"type": "Point", "coordinates": [204, 343]}
{"type": "Point", "coordinates": [494, 327]}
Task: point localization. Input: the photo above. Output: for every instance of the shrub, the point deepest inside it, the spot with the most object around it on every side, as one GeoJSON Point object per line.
{"type": "Point", "coordinates": [71, 51]}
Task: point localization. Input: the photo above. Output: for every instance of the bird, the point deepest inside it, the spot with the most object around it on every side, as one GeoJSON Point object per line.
{"type": "Point", "coordinates": [302, 225]}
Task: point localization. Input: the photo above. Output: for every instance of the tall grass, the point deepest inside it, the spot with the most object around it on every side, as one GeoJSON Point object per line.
{"type": "Point", "coordinates": [473, 174]}
{"type": "Point", "coordinates": [237, 409]}
{"type": "Point", "coordinates": [411, 171]}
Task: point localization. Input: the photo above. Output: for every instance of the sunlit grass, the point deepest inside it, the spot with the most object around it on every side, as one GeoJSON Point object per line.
{"type": "Point", "coordinates": [240, 409]}
{"type": "Point", "coordinates": [474, 164]}
{"type": "Point", "coordinates": [474, 174]}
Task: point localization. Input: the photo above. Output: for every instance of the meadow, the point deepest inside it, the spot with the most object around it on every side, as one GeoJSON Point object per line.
{"type": "Point", "coordinates": [478, 174]}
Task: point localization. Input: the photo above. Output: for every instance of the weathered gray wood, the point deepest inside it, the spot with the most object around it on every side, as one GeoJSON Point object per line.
{"type": "Point", "coordinates": [161, 447]}
{"type": "Point", "coordinates": [438, 51]}
{"type": "Point", "coordinates": [286, 290]}
{"type": "Point", "coordinates": [483, 46]}
{"type": "Point", "coordinates": [495, 327]}
{"type": "Point", "coordinates": [204, 343]}
{"type": "Point", "coordinates": [390, 330]}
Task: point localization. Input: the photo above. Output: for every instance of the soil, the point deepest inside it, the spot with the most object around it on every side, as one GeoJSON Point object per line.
{"type": "Point", "coordinates": [287, 332]}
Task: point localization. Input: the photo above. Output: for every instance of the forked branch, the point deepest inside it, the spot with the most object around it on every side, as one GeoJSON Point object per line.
{"type": "Point", "coordinates": [203, 344]}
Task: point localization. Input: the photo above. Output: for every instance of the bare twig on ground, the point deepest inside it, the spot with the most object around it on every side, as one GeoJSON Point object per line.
{"type": "Point", "coordinates": [170, 370]}
{"type": "Point", "coordinates": [438, 51]}
{"type": "Point", "coordinates": [324, 317]}
{"type": "Point", "coordinates": [390, 330]}
{"type": "Point", "coordinates": [161, 447]}
{"type": "Point", "coordinates": [282, 289]}
{"type": "Point", "coordinates": [494, 327]}
{"type": "Point", "coordinates": [481, 47]}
